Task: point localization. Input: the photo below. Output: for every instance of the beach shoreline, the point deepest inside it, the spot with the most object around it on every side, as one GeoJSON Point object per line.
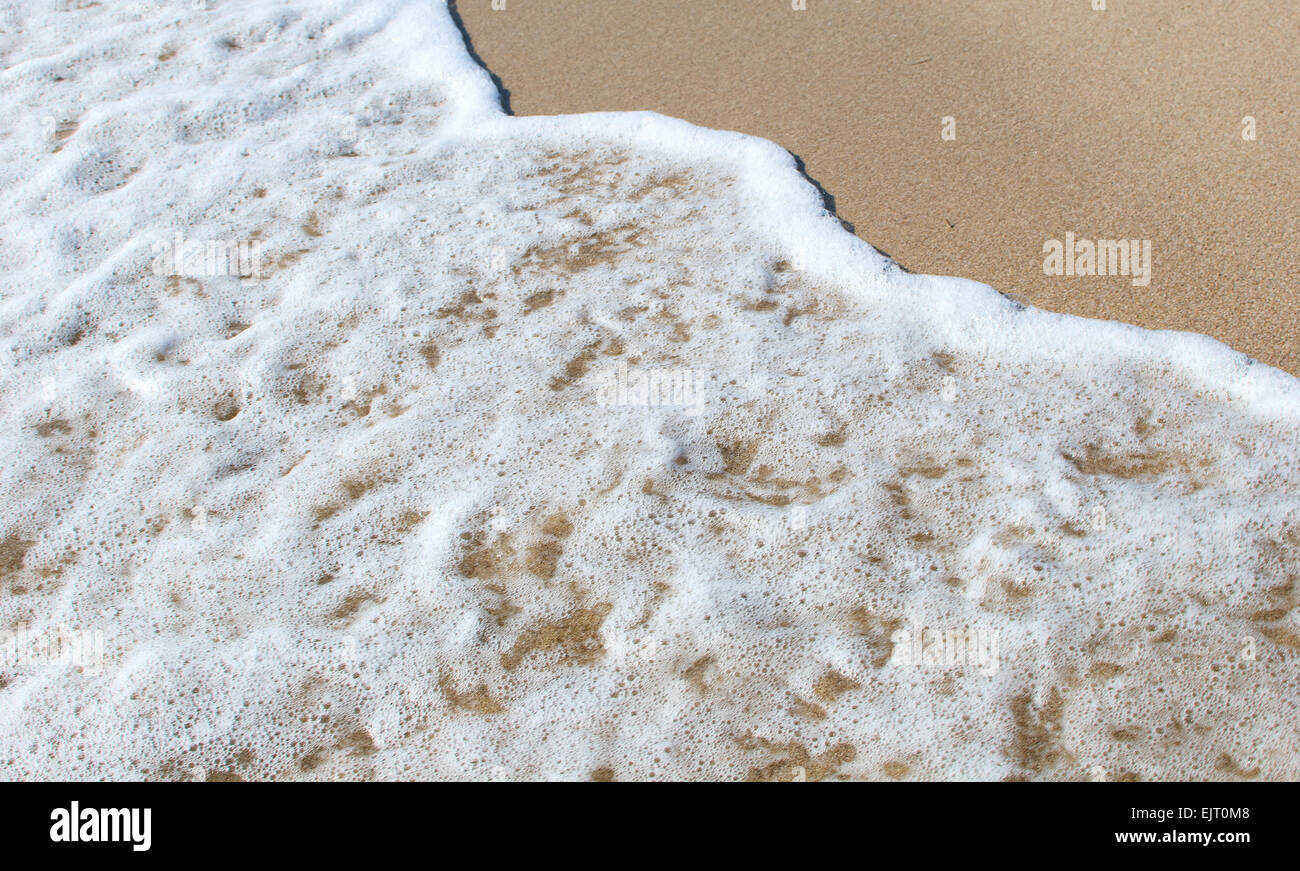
{"type": "Point", "coordinates": [966, 140]}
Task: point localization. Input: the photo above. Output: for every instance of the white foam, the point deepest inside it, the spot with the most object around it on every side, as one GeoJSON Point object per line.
{"type": "Point", "coordinates": [377, 513]}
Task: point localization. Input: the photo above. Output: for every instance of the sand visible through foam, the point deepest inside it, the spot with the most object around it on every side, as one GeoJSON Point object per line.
{"type": "Point", "coordinates": [576, 447]}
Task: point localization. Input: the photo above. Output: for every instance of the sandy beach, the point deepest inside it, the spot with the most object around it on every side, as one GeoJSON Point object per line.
{"type": "Point", "coordinates": [1118, 124]}
{"type": "Point", "coordinates": [378, 409]}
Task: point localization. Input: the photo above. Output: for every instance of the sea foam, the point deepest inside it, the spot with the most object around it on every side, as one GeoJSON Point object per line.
{"type": "Point", "coordinates": [573, 447]}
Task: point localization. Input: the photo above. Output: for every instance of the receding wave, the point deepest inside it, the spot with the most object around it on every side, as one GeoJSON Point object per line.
{"type": "Point", "coordinates": [357, 429]}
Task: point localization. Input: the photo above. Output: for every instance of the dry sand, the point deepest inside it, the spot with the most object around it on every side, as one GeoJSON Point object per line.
{"type": "Point", "coordinates": [1123, 123]}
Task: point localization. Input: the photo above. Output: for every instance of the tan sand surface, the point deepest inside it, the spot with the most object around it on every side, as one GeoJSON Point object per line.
{"type": "Point", "coordinates": [1125, 123]}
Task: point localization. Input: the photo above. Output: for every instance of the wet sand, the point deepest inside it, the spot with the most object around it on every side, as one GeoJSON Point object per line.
{"type": "Point", "coordinates": [1118, 124]}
